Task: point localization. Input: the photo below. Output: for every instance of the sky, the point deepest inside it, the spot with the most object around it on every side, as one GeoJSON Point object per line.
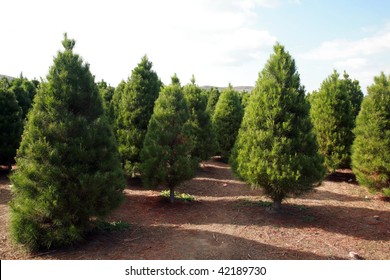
{"type": "Point", "coordinates": [217, 41]}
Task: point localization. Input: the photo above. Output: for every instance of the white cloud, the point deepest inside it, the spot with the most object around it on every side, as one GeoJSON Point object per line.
{"type": "Point", "coordinates": [351, 63]}
{"type": "Point", "coordinates": [187, 37]}
{"type": "Point", "coordinates": [341, 48]}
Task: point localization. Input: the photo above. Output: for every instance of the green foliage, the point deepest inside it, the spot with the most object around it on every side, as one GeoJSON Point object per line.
{"type": "Point", "coordinates": [354, 92]}
{"type": "Point", "coordinates": [102, 226]}
{"type": "Point", "coordinates": [134, 112]}
{"type": "Point", "coordinates": [166, 154]}
{"type": "Point", "coordinates": [213, 96]}
{"type": "Point", "coordinates": [227, 120]}
{"type": "Point", "coordinates": [106, 92]}
{"type": "Point", "coordinates": [68, 166]}
{"type": "Point", "coordinates": [11, 126]}
{"type": "Point", "coordinates": [275, 148]}
{"type": "Point", "coordinates": [333, 121]}
{"type": "Point", "coordinates": [201, 128]}
{"type": "Point", "coordinates": [185, 197]}
{"type": "Point", "coordinates": [25, 91]}
{"type": "Point", "coordinates": [115, 101]}
{"type": "Point", "coordinates": [244, 98]}
{"type": "Point", "coordinates": [371, 148]}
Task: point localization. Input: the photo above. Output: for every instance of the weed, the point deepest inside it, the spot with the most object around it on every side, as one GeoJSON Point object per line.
{"type": "Point", "coordinates": [185, 197]}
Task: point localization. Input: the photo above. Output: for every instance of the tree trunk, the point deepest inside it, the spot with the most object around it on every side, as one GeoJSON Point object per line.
{"type": "Point", "coordinates": [277, 204]}
{"type": "Point", "coordinates": [171, 194]}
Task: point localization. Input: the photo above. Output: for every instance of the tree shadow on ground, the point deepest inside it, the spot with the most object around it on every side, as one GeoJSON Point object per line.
{"type": "Point", "coordinates": [170, 242]}
{"type": "Point", "coordinates": [363, 223]}
{"type": "Point", "coordinates": [327, 195]}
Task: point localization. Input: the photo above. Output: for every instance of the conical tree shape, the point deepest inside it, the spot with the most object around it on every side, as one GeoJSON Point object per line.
{"type": "Point", "coordinates": [275, 148]}
{"type": "Point", "coordinates": [354, 92]}
{"type": "Point", "coordinates": [106, 92]}
{"type": "Point", "coordinates": [212, 100]}
{"type": "Point", "coordinates": [68, 165]}
{"type": "Point", "coordinates": [166, 154]}
{"type": "Point", "coordinates": [135, 109]}
{"type": "Point", "coordinates": [371, 148]}
{"type": "Point", "coordinates": [227, 120]}
{"type": "Point", "coordinates": [201, 128]}
{"type": "Point", "coordinates": [333, 121]}
{"type": "Point", "coordinates": [24, 91]}
{"type": "Point", "coordinates": [11, 126]}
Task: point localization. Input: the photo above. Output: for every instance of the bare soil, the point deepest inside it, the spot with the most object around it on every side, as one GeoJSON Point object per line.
{"type": "Point", "coordinates": [229, 220]}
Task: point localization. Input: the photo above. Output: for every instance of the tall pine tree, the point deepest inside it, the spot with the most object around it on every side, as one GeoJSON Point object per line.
{"type": "Point", "coordinates": [227, 120]}
{"type": "Point", "coordinates": [68, 166]}
{"type": "Point", "coordinates": [371, 148]}
{"type": "Point", "coordinates": [166, 153]}
{"type": "Point", "coordinates": [24, 91]}
{"type": "Point", "coordinates": [201, 128]}
{"type": "Point", "coordinates": [134, 112]}
{"type": "Point", "coordinates": [11, 126]}
{"type": "Point", "coordinates": [333, 120]}
{"type": "Point", "coordinates": [212, 99]}
{"type": "Point", "coordinates": [275, 148]}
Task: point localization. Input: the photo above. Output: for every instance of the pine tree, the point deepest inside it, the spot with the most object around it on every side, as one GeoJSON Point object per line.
{"type": "Point", "coordinates": [134, 112]}
{"type": "Point", "coordinates": [275, 148]}
{"type": "Point", "coordinates": [333, 121]}
{"type": "Point", "coordinates": [11, 126]}
{"type": "Point", "coordinates": [166, 153]}
{"type": "Point", "coordinates": [201, 128]}
{"type": "Point", "coordinates": [213, 96]}
{"type": "Point", "coordinates": [354, 92]}
{"type": "Point", "coordinates": [68, 166]}
{"type": "Point", "coordinates": [227, 120]}
{"type": "Point", "coordinates": [24, 91]}
{"type": "Point", "coordinates": [106, 92]}
{"type": "Point", "coordinates": [371, 148]}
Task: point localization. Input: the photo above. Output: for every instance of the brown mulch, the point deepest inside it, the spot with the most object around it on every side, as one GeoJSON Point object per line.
{"type": "Point", "coordinates": [229, 220]}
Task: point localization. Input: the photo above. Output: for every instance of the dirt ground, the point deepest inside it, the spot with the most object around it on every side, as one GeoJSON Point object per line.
{"type": "Point", "coordinates": [228, 220]}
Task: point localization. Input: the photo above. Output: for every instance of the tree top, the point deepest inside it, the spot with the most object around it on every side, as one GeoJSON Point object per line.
{"type": "Point", "coordinates": [68, 43]}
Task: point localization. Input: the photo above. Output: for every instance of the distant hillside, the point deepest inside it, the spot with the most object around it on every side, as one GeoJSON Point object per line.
{"type": "Point", "coordinates": [239, 89]}
{"type": "Point", "coordinates": [8, 77]}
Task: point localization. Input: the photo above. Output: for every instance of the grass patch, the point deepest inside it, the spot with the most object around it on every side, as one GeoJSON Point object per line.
{"type": "Point", "coordinates": [259, 203]}
{"type": "Point", "coordinates": [185, 197]}
{"type": "Point", "coordinates": [308, 218]}
{"type": "Point", "coordinates": [108, 227]}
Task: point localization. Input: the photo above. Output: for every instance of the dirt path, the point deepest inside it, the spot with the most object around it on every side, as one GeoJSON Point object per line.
{"type": "Point", "coordinates": [228, 220]}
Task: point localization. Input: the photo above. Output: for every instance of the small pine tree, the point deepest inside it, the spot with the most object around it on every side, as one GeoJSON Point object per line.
{"type": "Point", "coordinates": [275, 148]}
{"type": "Point", "coordinates": [24, 91]}
{"type": "Point", "coordinates": [11, 126]}
{"type": "Point", "coordinates": [227, 120]}
{"type": "Point", "coordinates": [115, 101]}
{"type": "Point", "coordinates": [68, 167]}
{"type": "Point", "coordinates": [106, 92]}
{"type": "Point", "coordinates": [354, 92]}
{"type": "Point", "coordinates": [371, 148]}
{"type": "Point", "coordinates": [166, 153]}
{"type": "Point", "coordinates": [201, 128]}
{"type": "Point", "coordinates": [333, 122]}
{"type": "Point", "coordinates": [134, 112]}
{"type": "Point", "coordinates": [213, 96]}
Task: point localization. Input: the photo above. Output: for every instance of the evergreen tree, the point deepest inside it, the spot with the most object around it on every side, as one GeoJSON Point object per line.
{"type": "Point", "coordinates": [371, 148]}
{"type": "Point", "coordinates": [354, 92]}
{"type": "Point", "coordinates": [213, 96]}
{"type": "Point", "coordinates": [166, 154]}
{"type": "Point", "coordinates": [333, 122]}
{"type": "Point", "coordinates": [68, 166]}
{"type": "Point", "coordinates": [201, 129]}
{"type": "Point", "coordinates": [115, 101]}
{"type": "Point", "coordinates": [11, 126]}
{"type": "Point", "coordinates": [135, 109]}
{"type": "Point", "coordinates": [106, 93]}
{"type": "Point", "coordinates": [227, 120]}
{"type": "Point", "coordinates": [275, 148]}
{"type": "Point", "coordinates": [24, 91]}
